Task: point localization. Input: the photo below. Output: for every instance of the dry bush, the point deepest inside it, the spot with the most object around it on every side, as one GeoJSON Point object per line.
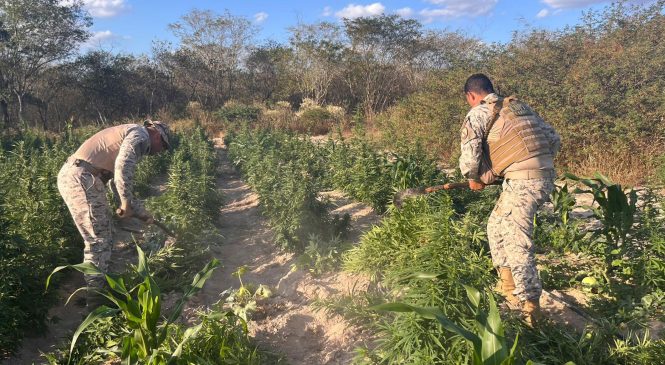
{"type": "Point", "coordinates": [628, 165]}
{"type": "Point", "coordinates": [280, 117]}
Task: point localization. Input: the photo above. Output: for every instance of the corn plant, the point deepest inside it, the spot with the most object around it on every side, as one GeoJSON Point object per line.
{"type": "Point", "coordinates": [486, 337]}
{"type": "Point", "coordinates": [140, 307]}
{"type": "Point", "coordinates": [563, 202]}
{"type": "Point", "coordinates": [616, 209]}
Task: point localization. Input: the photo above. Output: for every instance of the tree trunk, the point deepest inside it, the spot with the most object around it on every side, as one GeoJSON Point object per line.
{"type": "Point", "coordinates": [4, 108]}
{"type": "Point", "coordinates": [19, 97]}
{"type": "Point", "coordinates": [43, 113]}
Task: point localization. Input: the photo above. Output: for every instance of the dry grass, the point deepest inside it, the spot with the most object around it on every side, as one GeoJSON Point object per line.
{"type": "Point", "coordinates": [627, 167]}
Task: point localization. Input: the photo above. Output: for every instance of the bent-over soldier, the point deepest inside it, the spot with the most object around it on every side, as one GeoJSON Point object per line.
{"type": "Point", "coordinates": [109, 154]}
{"type": "Point", "coordinates": [504, 138]}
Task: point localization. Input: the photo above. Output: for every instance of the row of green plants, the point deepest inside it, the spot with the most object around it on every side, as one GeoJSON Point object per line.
{"type": "Point", "coordinates": [287, 171]}
{"type": "Point", "coordinates": [36, 231]}
{"type": "Point", "coordinates": [189, 206]}
{"type": "Point", "coordinates": [355, 167]}
{"type": "Point", "coordinates": [423, 255]}
{"type": "Point", "coordinates": [138, 325]}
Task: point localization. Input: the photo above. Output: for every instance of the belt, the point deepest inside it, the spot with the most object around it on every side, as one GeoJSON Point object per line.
{"type": "Point", "coordinates": [530, 174]}
{"type": "Point", "coordinates": [89, 167]}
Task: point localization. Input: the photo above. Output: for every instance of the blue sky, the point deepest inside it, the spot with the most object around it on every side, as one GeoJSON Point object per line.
{"type": "Point", "coordinates": [130, 26]}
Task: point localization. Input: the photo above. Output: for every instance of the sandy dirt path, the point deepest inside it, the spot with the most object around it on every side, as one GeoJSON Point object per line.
{"type": "Point", "coordinates": [285, 323]}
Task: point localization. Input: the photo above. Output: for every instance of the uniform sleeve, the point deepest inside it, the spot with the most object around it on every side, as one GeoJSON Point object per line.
{"type": "Point", "coordinates": [472, 144]}
{"type": "Point", "coordinates": [553, 138]}
{"type": "Point", "coordinates": [131, 151]}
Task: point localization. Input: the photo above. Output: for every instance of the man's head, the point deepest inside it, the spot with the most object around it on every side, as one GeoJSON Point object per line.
{"type": "Point", "coordinates": [159, 136]}
{"type": "Point", "coordinates": [476, 88]}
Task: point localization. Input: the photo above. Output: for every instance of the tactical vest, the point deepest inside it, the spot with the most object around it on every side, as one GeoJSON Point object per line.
{"type": "Point", "coordinates": [102, 149]}
{"type": "Point", "coordinates": [514, 135]}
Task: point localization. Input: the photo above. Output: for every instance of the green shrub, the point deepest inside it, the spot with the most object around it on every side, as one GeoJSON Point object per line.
{"type": "Point", "coordinates": [235, 112]}
{"type": "Point", "coordinates": [315, 121]}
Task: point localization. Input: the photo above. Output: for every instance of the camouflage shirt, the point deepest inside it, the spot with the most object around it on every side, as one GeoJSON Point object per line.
{"type": "Point", "coordinates": [135, 145]}
{"type": "Point", "coordinates": [472, 133]}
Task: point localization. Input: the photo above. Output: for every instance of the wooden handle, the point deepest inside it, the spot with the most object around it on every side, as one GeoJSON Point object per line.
{"type": "Point", "coordinates": [449, 186]}
{"type": "Point", "coordinates": [457, 185]}
{"type": "Point", "coordinates": [164, 228]}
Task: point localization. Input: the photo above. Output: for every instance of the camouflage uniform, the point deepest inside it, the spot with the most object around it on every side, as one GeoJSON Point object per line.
{"type": "Point", "coordinates": [510, 225]}
{"type": "Point", "coordinates": [82, 188]}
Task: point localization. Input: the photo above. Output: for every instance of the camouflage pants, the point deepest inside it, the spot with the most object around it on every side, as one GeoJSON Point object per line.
{"type": "Point", "coordinates": [85, 196]}
{"type": "Point", "coordinates": [509, 232]}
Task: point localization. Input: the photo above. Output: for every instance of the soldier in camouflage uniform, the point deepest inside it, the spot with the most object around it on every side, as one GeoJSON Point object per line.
{"type": "Point", "coordinates": [504, 138]}
{"type": "Point", "coordinates": [111, 153]}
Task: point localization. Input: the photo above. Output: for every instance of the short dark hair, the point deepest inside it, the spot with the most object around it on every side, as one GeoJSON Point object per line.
{"type": "Point", "coordinates": [478, 83]}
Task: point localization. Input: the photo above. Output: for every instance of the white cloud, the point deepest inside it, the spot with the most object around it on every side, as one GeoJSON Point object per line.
{"type": "Point", "coordinates": [353, 11]}
{"type": "Point", "coordinates": [569, 4]}
{"type": "Point", "coordinates": [327, 11]}
{"type": "Point", "coordinates": [101, 8]}
{"type": "Point", "coordinates": [404, 12]}
{"type": "Point", "coordinates": [260, 17]}
{"type": "Point", "coordinates": [543, 13]}
{"type": "Point", "coordinates": [457, 8]}
{"type": "Point", "coordinates": [98, 38]}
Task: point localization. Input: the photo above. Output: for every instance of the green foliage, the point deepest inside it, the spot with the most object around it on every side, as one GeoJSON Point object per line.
{"type": "Point", "coordinates": [422, 237]}
{"type": "Point", "coordinates": [563, 234]}
{"type": "Point", "coordinates": [137, 331]}
{"type": "Point", "coordinates": [139, 303]}
{"type": "Point", "coordinates": [191, 201]}
{"type": "Point", "coordinates": [320, 256]}
{"type": "Point", "coordinates": [242, 301]}
{"type": "Point", "coordinates": [486, 335]}
{"type": "Point", "coordinates": [372, 177]}
{"type": "Point", "coordinates": [36, 232]}
{"type": "Point", "coordinates": [287, 172]}
{"type": "Point", "coordinates": [616, 209]}
{"type": "Point", "coordinates": [314, 120]}
{"type": "Point", "coordinates": [237, 113]}
{"type": "Point", "coordinates": [148, 168]}
{"type": "Point", "coordinates": [360, 172]}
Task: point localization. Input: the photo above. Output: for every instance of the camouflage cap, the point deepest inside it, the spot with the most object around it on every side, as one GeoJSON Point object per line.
{"type": "Point", "coordinates": [163, 130]}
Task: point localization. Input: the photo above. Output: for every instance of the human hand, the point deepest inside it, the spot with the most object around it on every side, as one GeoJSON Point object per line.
{"type": "Point", "coordinates": [476, 185]}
